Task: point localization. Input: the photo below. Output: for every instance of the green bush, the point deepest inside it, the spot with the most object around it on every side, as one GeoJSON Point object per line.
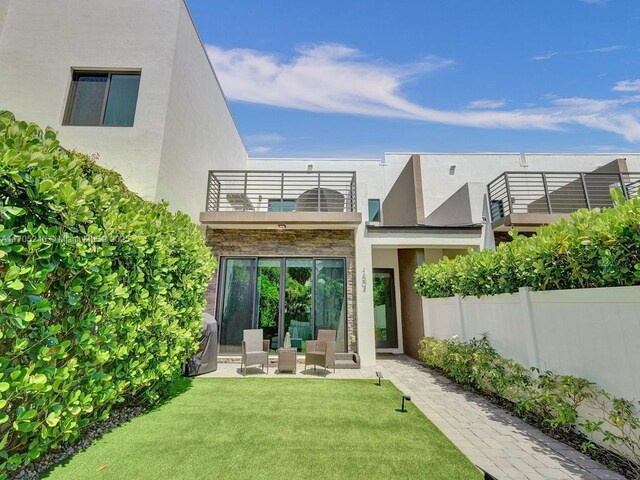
{"type": "Point", "coordinates": [598, 248]}
{"type": "Point", "coordinates": [101, 293]}
{"type": "Point", "coordinates": [542, 397]}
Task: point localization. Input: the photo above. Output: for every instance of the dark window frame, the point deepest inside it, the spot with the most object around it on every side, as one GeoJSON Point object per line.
{"type": "Point", "coordinates": [379, 220]}
{"type": "Point", "coordinates": [66, 120]}
{"type": "Point", "coordinates": [496, 207]}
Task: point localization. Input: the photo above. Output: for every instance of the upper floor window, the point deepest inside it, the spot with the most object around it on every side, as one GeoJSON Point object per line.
{"type": "Point", "coordinates": [497, 210]}
{"type": "Point", "coordinates": [102, 98]}
{"type": "Point", "coordinates": [374, 210]}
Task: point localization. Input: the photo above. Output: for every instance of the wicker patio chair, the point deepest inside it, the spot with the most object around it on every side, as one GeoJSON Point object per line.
{"type": "Point", "coordinates": [255, 350]}
{"type": "Point", "coordinates": [322, 352]}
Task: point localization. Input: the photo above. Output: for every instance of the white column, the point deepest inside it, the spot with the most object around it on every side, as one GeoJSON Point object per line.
{"type": "Point", "coordinates": [364, 287]}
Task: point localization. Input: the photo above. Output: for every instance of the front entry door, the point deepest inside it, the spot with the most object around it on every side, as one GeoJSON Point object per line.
{"type": "Point", "coordinates": [384, 308]}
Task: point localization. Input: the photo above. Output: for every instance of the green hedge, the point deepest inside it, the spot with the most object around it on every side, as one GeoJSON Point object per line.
{"type": "Point", "coordinates": [592, 249]}
{"type": "Point", "coordinates": [101, 293]}
{"type": "Point", "coordinates": [545, 398]}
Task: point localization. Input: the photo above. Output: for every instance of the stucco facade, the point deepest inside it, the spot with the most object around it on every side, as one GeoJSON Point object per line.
{"type": "Point", "coordinates": [182, 124]}
{"type": "Point", "coordinates": [432, 204]}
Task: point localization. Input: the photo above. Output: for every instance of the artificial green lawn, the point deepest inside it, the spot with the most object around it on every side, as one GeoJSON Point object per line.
{"type": "Point", "coordinates": [256, 428]}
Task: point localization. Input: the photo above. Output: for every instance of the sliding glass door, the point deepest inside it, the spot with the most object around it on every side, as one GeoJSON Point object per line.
{"type": "Point", "coordinates": [329, 298]}
{"type": "Point", "coordinates": [298, 300]}
{"type": "Point", "coordinates": [237, 303]}
{"type": "Point", "coordinates": [267, 310]}
{"type": "Point", "coordinates": [298, 296]}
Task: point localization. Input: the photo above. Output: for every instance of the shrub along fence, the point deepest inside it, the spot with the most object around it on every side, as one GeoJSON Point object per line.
{"type": "Point", "coordinates": [560, 404]}
{"type": "Point", "coordinates": [101, 293]}
{"type": "Point", "coordinates": [593, 249]}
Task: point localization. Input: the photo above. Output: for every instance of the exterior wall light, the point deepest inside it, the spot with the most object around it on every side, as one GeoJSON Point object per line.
{"type": "Point", "coordinates": [452, 169]}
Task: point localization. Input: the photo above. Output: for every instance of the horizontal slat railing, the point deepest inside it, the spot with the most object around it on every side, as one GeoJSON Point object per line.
{"type": "Point", "coordinates": [556, 192]}
{"type": "Point", "coordinates": [281, 191]}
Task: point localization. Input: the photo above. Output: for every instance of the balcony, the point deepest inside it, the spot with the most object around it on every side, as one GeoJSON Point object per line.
{"type": "Point", "coordinates": [529, 199]}
{"type": "Point", "coordinates": [280, 199]}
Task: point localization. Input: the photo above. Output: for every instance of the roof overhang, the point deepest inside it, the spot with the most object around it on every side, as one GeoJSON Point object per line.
{"type": "Point", "coordinates": [424, 236]}
{"type": "Point", "coordinates": [282, 220]}
{"type": "Point", "coordinates": [427, 229]}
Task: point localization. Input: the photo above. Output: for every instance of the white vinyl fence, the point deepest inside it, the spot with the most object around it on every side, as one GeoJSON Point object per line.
{"type": "Point", "coordinates": [591, 333]}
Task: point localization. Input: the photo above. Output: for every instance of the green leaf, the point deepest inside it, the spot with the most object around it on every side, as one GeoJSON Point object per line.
{"type": "Point", "coordinates": [3, 442]}
{"type": "Point", "coordinates": [4, 386]}
{"type": "Point", "coordinates": [15, 285]}
{"type": "Point", "coordinates": [53, 419]}
{"type": "Point", "coordinates": [45, 186]}
{"type": "Point", "coordinates": [38, 379]}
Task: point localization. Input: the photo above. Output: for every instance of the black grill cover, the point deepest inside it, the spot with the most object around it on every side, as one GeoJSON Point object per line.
{"type": "Point", "coordinates": [206, 360]}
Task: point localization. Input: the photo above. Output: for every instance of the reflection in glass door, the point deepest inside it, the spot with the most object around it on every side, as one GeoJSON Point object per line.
{"type": "Point", "coordinates": [329, 298]}
{"type": "Point", "coordinates": [237, 303]}
{"type": "Point", "coordinates": [267, 309]}
{"type": "Point", "coordinates": [384, 308]}
{"type": "Point", "coordinates": [297, 301]}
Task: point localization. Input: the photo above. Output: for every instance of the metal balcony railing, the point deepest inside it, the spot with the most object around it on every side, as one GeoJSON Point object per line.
{"type": "Point", "coordinates": [556, 192]}
{"type": "Point", "coordinates": [286, 191]}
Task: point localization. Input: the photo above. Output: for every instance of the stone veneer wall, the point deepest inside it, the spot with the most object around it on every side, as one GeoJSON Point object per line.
{"type": "Point", "coordinates": [288, 243]}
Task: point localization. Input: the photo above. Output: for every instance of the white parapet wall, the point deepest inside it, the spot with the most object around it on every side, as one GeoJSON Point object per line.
{"type": "Point", "coordinates": [591, 333]}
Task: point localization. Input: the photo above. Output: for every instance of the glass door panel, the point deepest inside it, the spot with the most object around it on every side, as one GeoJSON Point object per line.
{"type": "Point", "coordinates": [237, 303]}
{"type": "Point", "coordinates": [329, 298]}
{"type": "Point", "coordinates": [298, 301]}
{"type": "Point", "coordinates": [268, 299]}
{"type": "Point", "coordinates": [384, 308]}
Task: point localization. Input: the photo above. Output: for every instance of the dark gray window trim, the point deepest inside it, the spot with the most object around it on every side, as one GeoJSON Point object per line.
{"type": "Point", "coordinates": [379, 210]}
{"type": "Point", "coordinates": [109, 73]}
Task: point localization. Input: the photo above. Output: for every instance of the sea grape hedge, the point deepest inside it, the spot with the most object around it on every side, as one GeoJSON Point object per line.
{"type": "Point", "coordinates": [101, 293]}
{"type": "Point", "coordinates": [598, 248]}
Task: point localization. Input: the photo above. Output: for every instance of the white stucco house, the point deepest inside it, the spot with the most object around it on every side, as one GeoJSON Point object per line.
{"type": "Point", "coordinates": [336, 241]}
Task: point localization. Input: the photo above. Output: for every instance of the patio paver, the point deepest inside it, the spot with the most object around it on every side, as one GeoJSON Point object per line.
{"type": "Point", "coordinates": [496, 441]}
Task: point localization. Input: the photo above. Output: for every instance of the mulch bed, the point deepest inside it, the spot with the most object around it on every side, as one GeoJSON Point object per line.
{"type": "Point", "coordinates": [46, 461]}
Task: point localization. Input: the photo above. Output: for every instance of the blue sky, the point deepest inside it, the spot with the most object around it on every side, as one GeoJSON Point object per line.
{"type": "Point", "coordinates": [361, 77]}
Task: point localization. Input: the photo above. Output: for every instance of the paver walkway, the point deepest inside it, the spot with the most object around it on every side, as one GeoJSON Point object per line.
{"type": "Point", "coordinates": [493, 439]}
{"type": "Point", "coordinates": [496, 441]}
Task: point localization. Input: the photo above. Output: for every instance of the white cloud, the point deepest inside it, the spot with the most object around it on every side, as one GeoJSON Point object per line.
{"type": "Point", "coordinates": [485, 103]}
{"type": "Point", "coordinates": [264, 137]}
{"type": "Point", "coordinates": [339, 79]}
{"type": "Point", "coordinates": [262, 143]}
{"type": "Point", "coordinates": [627, 86]}
{"type": "Point", "coordinates": [260, 149]}
{"type": "Point", "coordinates": [550, 55]}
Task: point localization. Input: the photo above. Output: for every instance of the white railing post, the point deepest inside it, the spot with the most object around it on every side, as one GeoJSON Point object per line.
{"type": "Point", "coordinates": [527, 312]}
